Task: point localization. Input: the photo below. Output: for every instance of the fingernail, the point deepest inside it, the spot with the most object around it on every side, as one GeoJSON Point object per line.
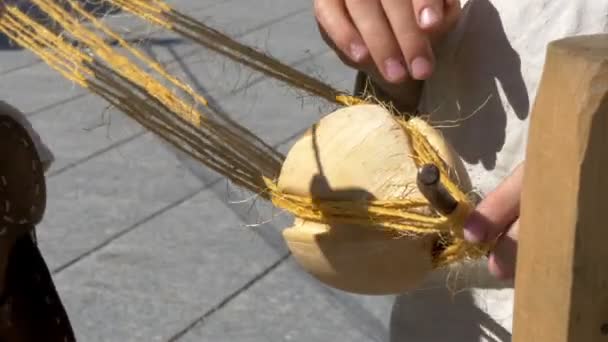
{"type": "Point", "coordinates": [428, 17]}
{"type": "Point", "coordinates": [473, 231]}
{"type": "Point", "coordinates": [394, 69]}
{"type": "Point", "coordinates": [421, 68]}
{"type": "Point", "coordinates": [357, 52]}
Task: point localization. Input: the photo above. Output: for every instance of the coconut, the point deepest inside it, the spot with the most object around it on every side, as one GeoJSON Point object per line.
{"type": "Point", "coordinates": [361, 153]}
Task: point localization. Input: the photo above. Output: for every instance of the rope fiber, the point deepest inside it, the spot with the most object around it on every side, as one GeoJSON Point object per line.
{"type": "Point", "coordinates": [140, 87]}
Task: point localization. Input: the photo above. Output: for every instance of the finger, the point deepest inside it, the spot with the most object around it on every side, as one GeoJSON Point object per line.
{"type": "Point", "coordinates": [497, 211]}
{"type": "Point", "coordinates": [429, 13]}
{"type": "Point", "coordinates": [339, 31]}
{"type": "Point", "coordinates": [371, 22]}
{"type": "Point", "coordinates": [452, 10]}
{"type": "Point", "coordinates": [346, 59]}
{"type": "Point", "coordinates": [413, 42]}
{"type": "Point", "coordinates": [503, 259]}
{"type": "Point", "coordinates": [450, 14]}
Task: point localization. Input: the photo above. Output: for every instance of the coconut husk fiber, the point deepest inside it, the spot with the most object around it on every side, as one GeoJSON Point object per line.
{"type": "Point", "coordinates": [141, 88]}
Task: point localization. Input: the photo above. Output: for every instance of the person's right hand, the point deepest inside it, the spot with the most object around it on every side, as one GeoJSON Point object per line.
{"type": "Point", "coordinates": [390, 38]}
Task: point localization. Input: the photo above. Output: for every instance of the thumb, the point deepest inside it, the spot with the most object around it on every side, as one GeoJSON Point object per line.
{"type": "Point", "coordinates": [452, 12]}
{"type": "Point", "coordinates": [497, 212]}
{"type": "Point", "coordinates": [503, 258]}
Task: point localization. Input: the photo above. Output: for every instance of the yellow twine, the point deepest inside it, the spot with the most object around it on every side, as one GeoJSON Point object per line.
{"type": "Point", "coordinates": [400, 215]}
{"type": "Point", "coordinates": [119, 62]}
{"type": "Point", "coordinates": [211, 138]}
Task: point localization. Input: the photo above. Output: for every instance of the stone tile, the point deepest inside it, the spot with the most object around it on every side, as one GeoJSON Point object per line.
{"type": "Point", "coordinates": [13, 58]}
{"type": "Point", "coordinates": [50, 87]}
{"type": "Point", "coordinates": [145, 241]}
{"type": "Point", "coordinates": [32, 89]}
{"type": "Point", "coordinates": [109, 193]}
{"type": "Point", "coordinates": [288, 305]}
{"type": "Point", "coordinates": [155, 280]}
{"type": "Point", "coordinates": [209, 72]}
{"type": "Point", "coordinates": [273, 111]}
{"type": "Point", "coordinates": [81, 129]}
{"type": "Point", "coordinates": [233, 18]}
{"type": "Point", "coordinates": [96, 127]}
{"type": "Point", "coordinates": [87, 119]}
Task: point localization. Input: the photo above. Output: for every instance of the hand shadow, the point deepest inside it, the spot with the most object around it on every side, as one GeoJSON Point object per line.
{"type": "Point", "coordinates": [435, 315]}
{"type": "Point", "coordinates": [466, 93]}
{"type": "Point", "coordinates": [471, 100]}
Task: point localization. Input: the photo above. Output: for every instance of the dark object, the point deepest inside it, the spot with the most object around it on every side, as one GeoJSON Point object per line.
{"type": "Point", "coordinates": [22, 185]}
{"type": "Point", "coordinates": [429, 184]}
{"type": "Point", "coordinates": [30, 308]}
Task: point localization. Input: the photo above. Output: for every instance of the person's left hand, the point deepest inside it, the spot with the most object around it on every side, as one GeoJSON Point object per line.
{"type": "Point", "coordinates": [497, 217]}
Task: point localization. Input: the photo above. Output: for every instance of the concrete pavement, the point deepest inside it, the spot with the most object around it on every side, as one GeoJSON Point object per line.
{"type": "Point", "coordinates": [146, 245]}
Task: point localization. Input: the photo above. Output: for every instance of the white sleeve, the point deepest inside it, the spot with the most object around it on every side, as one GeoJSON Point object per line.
{"type": "Point", "coordinates": [487, 73]}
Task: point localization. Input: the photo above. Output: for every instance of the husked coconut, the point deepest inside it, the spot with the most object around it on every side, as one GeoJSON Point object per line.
{"type": "Point", "coordinates": [361, 152]}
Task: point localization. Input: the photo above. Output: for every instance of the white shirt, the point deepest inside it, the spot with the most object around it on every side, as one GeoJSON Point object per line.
{"type": "Point", "coordinates": [488, 71]}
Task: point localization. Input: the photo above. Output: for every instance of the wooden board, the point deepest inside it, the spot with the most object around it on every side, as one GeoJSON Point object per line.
{"type": "Point", "coordinates": [561, 288]}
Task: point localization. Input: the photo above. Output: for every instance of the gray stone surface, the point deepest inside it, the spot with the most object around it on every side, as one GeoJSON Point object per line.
{"type": "Point", "coordinates": [154, 281]}
{"type": "Point", "coordinates": [287, 305]}
{"type": "Point", "coordinates": [147, 245]}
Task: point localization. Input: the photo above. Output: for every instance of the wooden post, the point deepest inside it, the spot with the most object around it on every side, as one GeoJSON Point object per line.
{"type": "Point", "coordinates": [561, 287]}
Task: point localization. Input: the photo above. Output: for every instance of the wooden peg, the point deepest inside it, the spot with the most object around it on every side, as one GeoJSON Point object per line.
{"type": "Point", "coordinates": [429, 184]}
{"type": "Point", "coordinates": [561, 287]}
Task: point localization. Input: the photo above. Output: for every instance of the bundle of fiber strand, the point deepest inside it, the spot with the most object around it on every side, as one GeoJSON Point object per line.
{"type": "Point", "coordinates": [379, 197]}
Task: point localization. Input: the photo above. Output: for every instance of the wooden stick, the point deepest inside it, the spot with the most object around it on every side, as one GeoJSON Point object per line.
{"type": "Point", "coordinates": [561, 287]}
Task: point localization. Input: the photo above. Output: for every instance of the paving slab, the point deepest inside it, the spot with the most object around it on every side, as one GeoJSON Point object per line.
{"type": "Point", "coordinates": [99, 131]}
{"type": "Point", "coordinates": [95, 201]}
{"type": "Point", "coordinates": [142, 164]}
{"type": "Point", "coordinates": [51, 89]}
{"type": "Point", "coordinates": [82, 129]}
{"type": "Point", "coordinates": [154, 281]}
{"type": "Point", "coordinates": [287, 305]}
{"type": "Point", "coordinates": [147, 245]}
{"type": "Point", "coordinates": [13, 59]}
{"type": "Point", "coordinates": [85, 118]}
{"type": "Point", "coordinates": [216, 75]}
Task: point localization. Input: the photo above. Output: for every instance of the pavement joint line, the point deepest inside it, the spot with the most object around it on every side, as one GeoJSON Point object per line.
{"type": "Point", "coordinates": [132, 227]}
{"type": "Point", "coordinates": [252, 29]}
{"type": "Point", "coordinates": [375, 330]}
{"type": "Point", "coordinates": [79, 94]}
{"type": "Point", "coordinates": [171, 63]}
{"type": "Point", "coordinates": [148, 218]}
{"type": "Point", "coordinates": [232, 296]}
{"type": "Point", "coordinates": [137, 30]}
{"type": "Point", "coordinates": [152, 215]}
{"type": "Point", "coordinates": [221, 96]}
{"type": "Point", "coordinates": [97, 153]}
{"type": "Point", "coordinates": [228, 299]}
{"type": "Point", "coordinates": [372, 327]}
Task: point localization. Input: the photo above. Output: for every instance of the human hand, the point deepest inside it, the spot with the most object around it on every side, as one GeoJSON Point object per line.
{"type": "Point", "coordinates": [496, 218]}
{"type": "Point", "coordinates": [387, 38]}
